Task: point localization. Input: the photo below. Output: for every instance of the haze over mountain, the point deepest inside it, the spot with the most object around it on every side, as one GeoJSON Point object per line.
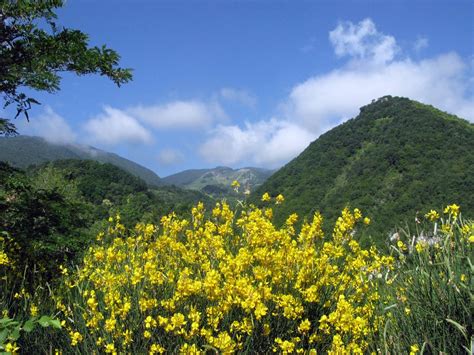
{"type": "Point", "coordinates": [217, 181]}
{"type": "Point", "coordinates": [396, 158]}
{"type": "Point", "coordinates": [23, 151]}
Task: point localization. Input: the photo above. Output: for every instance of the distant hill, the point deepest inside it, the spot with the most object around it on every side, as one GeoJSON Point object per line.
{"type": "Point", "coordinates": [217, 181]}
{"type": "Point", "coordinates": [105, 186]}
{"type": "Point", "coordinates": [395, 158]}
{"type": "Point", "coordinates": [23, 151]}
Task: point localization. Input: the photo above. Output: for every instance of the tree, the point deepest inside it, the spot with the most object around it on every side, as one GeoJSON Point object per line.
{"type": "Point", "coordinates": [35, 50]}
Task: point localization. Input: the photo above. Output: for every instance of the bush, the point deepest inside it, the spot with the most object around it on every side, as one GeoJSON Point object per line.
{"type": "Point", "coordinates": [225, 283]}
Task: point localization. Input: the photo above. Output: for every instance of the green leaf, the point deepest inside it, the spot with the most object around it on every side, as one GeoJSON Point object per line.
{"type": "Point", "coordinates": [55, 323]}
{"type": "Point", "coordinates": [45, 321]}
{"type": "Point", "coordinates": [29, 326]}
{"type": "Point", "coordinates": [15, 334]}
{"type": "Point", "coordinates": [458, 326]}
{"type": "Point", "coordinates": [3, 335]}
{"type": "Point", "coordinates": [5, 320]}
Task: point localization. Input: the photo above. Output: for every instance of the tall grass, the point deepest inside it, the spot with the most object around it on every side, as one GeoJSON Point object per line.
{"type": "Point", "coordinates": [428, 301]}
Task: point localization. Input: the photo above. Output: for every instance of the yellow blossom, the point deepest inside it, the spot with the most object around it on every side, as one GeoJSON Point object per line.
{"type": "Point", "coordinates": [279, 199]}
{"type": "Point", "coordinates": [414, 349]}
{"type": "Point", "coordinates": [266, 197]}
{"type": "Point", "coordinates": [453, 210]}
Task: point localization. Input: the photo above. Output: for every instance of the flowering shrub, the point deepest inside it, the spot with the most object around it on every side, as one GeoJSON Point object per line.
{"type": "Point", "coordinates": [229, 283]}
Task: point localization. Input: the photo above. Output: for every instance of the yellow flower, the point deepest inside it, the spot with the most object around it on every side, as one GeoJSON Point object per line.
{"type": "Point", "coordinates": [279, 199]}
{"type": "Point", "coordinates": [235, 185]}
{"type": "Point", "coordinates": [156, 349]}
{"type": "Point", "coordinates": [366, 220]}
{"type": "Point", "coordinates": [420, 246]}
{"type": "Point", "coordinates": [3, 258]}
{"type": "Point", "coordinates": [471, 238]}
{"type": "Point", "coordinates": [401, 245]}
{"type": "Point", "coordinates": [11, 348]}
{"type": "Point", "coordinates": [452, 209]}
{"type": "Point", "coordinates": [304, 326]}
{"type": "Point", "coordinates": [414, 349]}
{"type": "Point", "coordinates": [33, 310]}
{"type": "Point", "coordinates": [76, 337]}
{"type": "Point", "coordinates": [110, 349]}
{"type": "Point", "coordinates": [432, 215]}
{"type": "Point", "coordinates": [266, 197]}
{"type": "Point", "coordinates": [463, 277]}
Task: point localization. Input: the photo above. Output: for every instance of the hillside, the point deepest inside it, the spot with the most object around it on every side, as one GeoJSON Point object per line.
{"type": "Point", "coordinates": [217, 181]}
{"type": "Point", "coordinates": [22, 151]}
{"type": "Point", "coordinates": [395, 158]}
{"type": "Point", "coordinates": [110, 189]}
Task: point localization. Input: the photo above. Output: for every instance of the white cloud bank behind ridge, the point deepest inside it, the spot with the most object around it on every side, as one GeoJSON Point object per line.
{"type": "Point", "coordinates": [374, 68]}
{"type": "Point", "coordinates": [49, 125]}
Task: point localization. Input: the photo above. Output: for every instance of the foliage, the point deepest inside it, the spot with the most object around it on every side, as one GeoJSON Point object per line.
{"type": "Point", "coordinates": [34, 50]}
{"type": "Point", "coordinates": [429, 303]}
{"type": "Point", "coordinates": [396, 158]}
{"type": "Point", "coordinates": [10, 330]}
{"type": "Point", "coordinates": [42, 226]}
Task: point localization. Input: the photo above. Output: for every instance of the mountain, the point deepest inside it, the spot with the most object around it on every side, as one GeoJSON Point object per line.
{"type": "Point", "coordinates": [22, 151]}
{"type": "Point", "coordinates": [396, 158]}
{"type": "Point", "coordinates": [217, 181]}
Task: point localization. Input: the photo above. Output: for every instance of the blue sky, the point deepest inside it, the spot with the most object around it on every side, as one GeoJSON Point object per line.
{"type": "Point", "coordinates": [252, 83]}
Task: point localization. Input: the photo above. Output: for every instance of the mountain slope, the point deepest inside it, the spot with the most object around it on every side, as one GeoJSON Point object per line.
{"type": "Point", "coordinates": [395, 158]}
{"type": "Point", "coordinates": [107, 188]}
{"type": "Point", "coordinates": [22, 151]}
{"type": "Point", "coordinates": [217, 181]}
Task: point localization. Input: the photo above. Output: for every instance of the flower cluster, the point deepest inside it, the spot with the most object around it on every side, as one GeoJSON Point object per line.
{"type": "Point", "coordinates": [227, 282]}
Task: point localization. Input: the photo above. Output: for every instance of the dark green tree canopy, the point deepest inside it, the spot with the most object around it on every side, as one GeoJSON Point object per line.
{"type": "Point", "coordinates": [35, 50]}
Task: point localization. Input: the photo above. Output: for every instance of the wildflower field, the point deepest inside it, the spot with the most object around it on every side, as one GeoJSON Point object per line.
{"type": "Point", "coordinates": [229, 280]}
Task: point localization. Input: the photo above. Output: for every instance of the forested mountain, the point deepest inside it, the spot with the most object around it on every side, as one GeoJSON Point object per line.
{"type": "Point", "coordinates": [23, 151]}
{"type": "Point", "coordinates": [217, 181]}
{"type": "Point", "coordinates": [396, 158]}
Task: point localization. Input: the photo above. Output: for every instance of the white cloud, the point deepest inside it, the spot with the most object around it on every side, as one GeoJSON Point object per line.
{"type": "Point", "coordinates": [420, 43]}
{"type": "Point", "coordinates": [372, 70]}
{"type": "Point", "coordinates": [179, 114]}
{"type": "Point", "coordinates": [324, 101]}
{"type": "Point", "coordinates": [115, 126]}
{"type": "Point", "coordinates": [270, 143]}
{"type": "Point", "coordinates": [169, 156]}
{"type": "Point", "coordinates": [240, 96]}
{"type": "Point", "coordinates": [362, 41]}
{"type": "Point", "coordinates": [50, 126]}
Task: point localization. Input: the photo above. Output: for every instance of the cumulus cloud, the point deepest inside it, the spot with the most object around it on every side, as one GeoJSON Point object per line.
{"type": "Point", "coordinates": [179, 114]}
{"type": "Point", "coordinates": [116, 126]}
{"type": "Point", "coordinates": [269, 142]}
{"type": "Point", "coordinates": [239, 96]}
{"type": "Point", "coordinates": [169, 156]}
{"type": "Point", "coordinates": [362, 41]}
{"type": "Point", "coordinates": [50, 126]}
{"type": "Point", "coordinates": [326, 100]}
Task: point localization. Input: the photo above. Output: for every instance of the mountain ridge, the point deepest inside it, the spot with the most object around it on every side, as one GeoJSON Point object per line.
{"type": "Point", "coordinates": [23, 151]}
{"type": "Point", "coordinates": [217, 181]}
